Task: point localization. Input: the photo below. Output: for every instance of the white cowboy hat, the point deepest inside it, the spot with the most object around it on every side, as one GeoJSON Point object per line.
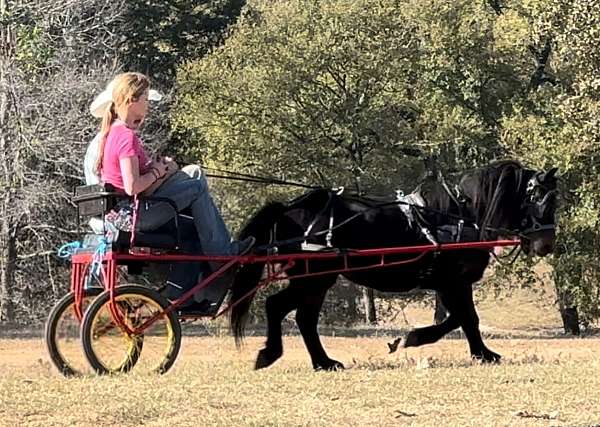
{"type": "Point", "coordinates": [100, 104]}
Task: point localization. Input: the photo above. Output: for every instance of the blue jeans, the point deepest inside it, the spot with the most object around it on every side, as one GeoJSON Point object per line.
{"type": "Point", "coordinates": [184, 275]}
{"type": "Point", "coordinates": [189, 192]}
{"type": "Point", "coordinates": [206, 233]}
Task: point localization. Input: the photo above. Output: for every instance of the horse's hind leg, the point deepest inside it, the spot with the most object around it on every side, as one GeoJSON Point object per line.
{"type": "Point", "coordinates": [277, 306]}
{"type": "Point", "coordinates": [310, 301]}
{"type": "Point", "coordinates": [459, 303]}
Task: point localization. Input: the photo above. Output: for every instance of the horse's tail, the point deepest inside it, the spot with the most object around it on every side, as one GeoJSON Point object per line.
{"type": "Point", "coordinates": [246, 280]}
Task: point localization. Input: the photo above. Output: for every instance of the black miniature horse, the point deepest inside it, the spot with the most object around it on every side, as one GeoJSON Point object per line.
{"type": "Point", "coordinates": [502, 200]}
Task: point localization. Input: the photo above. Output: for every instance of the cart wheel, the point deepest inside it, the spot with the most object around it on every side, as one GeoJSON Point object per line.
{"type": "Point", "coordinates": [108, 347]}
{"type": "Point", "coordinates": [62, 334]}
{"type": "Point", "coordinates": [63, 331]}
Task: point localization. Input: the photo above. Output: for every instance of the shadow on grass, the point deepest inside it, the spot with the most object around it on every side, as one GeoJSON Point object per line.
{"type": "Point", "coordinates": [362, 331]}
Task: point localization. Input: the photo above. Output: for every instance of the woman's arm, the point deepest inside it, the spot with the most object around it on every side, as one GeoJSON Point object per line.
{"type": "Point", "coordinates": [171, 168]}
{"type": "Point", "coordinates": [135, 183]}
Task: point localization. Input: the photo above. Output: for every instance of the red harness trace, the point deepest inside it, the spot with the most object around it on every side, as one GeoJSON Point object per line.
{"type": "Point", "coordinates": [277, 268]}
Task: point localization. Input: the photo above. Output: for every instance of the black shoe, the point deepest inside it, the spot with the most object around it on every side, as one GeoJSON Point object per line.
{"type": "Point", "coordinates": [244, 246]}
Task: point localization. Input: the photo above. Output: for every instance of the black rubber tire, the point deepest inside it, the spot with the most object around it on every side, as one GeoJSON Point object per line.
{"type": "Point", "coordinates": [101, 301]}
{"type": "Point", "coordinates": [58, 311]}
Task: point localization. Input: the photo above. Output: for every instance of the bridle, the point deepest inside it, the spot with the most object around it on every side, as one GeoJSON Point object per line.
{"type": "Point", "coordinates": [538, 200]}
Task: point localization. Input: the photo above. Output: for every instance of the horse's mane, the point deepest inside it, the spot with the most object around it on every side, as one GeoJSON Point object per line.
{"type": "Point", "coordinates": [492, 191]}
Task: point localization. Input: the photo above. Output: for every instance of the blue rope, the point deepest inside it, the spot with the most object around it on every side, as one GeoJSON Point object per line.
{"type": "Point", "coordinates": [96, 265]}
{"type": "Point", "coordinates": [67, 250]}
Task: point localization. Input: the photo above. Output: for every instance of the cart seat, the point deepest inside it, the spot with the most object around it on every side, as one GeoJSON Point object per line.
{"type": "Point", "coordinates": [94, 201]}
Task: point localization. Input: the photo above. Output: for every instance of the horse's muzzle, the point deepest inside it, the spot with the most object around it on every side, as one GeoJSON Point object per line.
{"type": "Point", "coordinates": [539, 244]}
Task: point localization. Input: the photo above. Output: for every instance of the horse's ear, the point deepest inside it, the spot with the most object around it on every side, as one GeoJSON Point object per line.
{"type": "Point", "coordinates": [547, 176]}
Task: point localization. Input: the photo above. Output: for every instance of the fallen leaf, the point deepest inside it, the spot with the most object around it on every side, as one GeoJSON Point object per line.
{"type": "Point", "coordinates": [542, 416]}
{"type": "Point", "coordinates": [400, 413]}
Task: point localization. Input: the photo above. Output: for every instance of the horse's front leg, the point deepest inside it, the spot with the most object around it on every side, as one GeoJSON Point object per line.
{"type": "Point", "coordinates": [458, 301]}
{"type": "Point", "coordinates": [277, 306]}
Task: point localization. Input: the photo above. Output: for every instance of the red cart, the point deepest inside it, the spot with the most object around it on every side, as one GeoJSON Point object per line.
{"type": "Point", "coordinates": [123, 325]}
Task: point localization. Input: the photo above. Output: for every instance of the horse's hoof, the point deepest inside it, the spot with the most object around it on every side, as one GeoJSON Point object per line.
{"type": "Point", "coordinates": [487, 356]}
{"type": "Point", "coordinates": [266, 358]}
{"type": "Point", "coordinates": [329, 366]}
{"type": "Point", "coordinates": [393, 346]}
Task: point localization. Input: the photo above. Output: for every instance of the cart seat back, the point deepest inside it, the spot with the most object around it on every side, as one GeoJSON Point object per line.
{"type": "Point", "coordinates": [94, 201]}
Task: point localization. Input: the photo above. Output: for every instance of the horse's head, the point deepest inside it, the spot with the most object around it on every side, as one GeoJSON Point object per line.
{"type": "Point", "coordinates": [537, 226]}
{"type": "Point", "coordinates": [508, 200]}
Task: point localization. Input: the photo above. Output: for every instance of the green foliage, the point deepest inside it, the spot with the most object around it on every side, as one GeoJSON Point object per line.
{"type": "Point", "coordinates": [363, 93]}
{"type": "Point", "coordinates": [558, 125]}
{"type": "Point", "coordinates": [33, 50]}
{"type": "Point", "coordinates": [368, 92]}
{"type": "Point", "coordinates": [159, 35]}
{"type": "Point", "coordinates": [289, 92]}
{"type": "Point", "coordinates": [576, 272]}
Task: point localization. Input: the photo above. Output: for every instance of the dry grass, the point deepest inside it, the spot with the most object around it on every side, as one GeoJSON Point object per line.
{"type": "Point", "coordinates": [543, 381]}
{"type": "Point", "coordinates": [540, 382]}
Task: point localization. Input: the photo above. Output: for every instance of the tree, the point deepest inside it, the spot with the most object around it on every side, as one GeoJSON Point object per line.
{"type": "Point", "coordinates": [367, 94]}
{"type": "Point", "coordinates": [362, 93]}
{"type": "Point", "coordinates": [54, 58]}
{"type": "Point", "coordinates": [556, 125]}
{"type": "Point", "coordinates": [47, 79]}
{"type": "Point", "coordinates": [158, 36]}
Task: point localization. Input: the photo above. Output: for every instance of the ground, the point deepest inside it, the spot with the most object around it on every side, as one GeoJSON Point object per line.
{"type": "Point", "coordinates": [545, 379]}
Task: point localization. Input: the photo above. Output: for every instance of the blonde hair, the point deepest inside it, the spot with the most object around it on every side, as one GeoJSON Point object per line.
{"type": "Point", "coordinates": [126, 88]}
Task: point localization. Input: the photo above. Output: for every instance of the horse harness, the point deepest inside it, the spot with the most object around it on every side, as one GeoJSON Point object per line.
{"type": "Point", "coordinates": [538, 199]}
{"type": "Point", "coordinates": [536, 205]}
{"type": "Point", "coordinates": [411, 206]}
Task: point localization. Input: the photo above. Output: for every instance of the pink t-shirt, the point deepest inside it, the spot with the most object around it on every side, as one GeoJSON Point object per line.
{"type": "Point", "coordinates": [121, 142]}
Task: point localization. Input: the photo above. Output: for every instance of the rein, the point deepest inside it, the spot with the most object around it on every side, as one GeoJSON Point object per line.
{"type": "Point", "coordinates": [238, 176]}
{"type": "Point", "coordinates": [455, 198]}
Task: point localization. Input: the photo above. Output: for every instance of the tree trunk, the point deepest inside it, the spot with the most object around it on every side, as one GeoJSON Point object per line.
{"type": "Point", "coordinates": [349, 294]}
{"type": "Point", "coordinates": [369, 302]}
{"type": "Point", "coordinates": [568, 312]}
{"type": "Point", "coordinates": [8, 256]}
{"type": "Point", "coordinates": [8, 250]}
{"type": "Point", "coordinates": [440, 311]}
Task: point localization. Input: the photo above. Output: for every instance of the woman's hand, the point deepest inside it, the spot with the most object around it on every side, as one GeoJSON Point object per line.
{"type": "Point", "coordinates": [163, 168]}
{"type": "Point", "coordinates": [156, 173]}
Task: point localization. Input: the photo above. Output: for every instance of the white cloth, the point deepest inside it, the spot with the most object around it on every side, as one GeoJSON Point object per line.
{"type": "Point", "coordinates": [407, 202]}
{"type": "Point", "coordinates": [89, 162]}
{"type": "Point", "coordinates": [92, 178]}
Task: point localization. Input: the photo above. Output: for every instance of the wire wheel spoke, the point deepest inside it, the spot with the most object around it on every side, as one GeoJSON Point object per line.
{"type": "Point", "coordinates": [114, 349]}
{"type": "Point", "coordinates": [62, 334]}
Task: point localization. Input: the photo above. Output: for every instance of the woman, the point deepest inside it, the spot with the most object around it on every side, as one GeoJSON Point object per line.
{"type": "Point", "coordinates": [123, 162]}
